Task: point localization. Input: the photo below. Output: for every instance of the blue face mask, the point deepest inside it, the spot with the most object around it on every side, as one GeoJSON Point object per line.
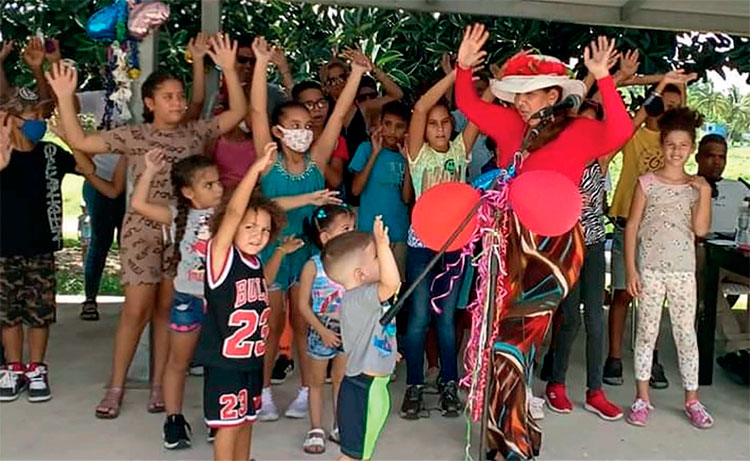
{"type": "Point", "coordinates": [34, 130]}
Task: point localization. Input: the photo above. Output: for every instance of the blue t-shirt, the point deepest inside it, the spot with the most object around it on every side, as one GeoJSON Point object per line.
{"type": "Point", "coordinates": [382, 193]}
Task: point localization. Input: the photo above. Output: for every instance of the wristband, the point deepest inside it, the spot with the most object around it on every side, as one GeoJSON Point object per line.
{"type": "Point", "coordinates": [656, 93]}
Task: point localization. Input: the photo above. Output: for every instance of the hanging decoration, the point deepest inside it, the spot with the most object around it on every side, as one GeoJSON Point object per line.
{"type": "Point", "coordinates": [123, 23]}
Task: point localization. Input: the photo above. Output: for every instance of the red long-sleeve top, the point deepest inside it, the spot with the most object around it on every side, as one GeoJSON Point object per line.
{"type": "Point", "coordinates": [574, 148]}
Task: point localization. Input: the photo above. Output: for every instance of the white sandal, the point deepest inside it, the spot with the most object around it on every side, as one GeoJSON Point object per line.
{"type": "Point", "coordinates": [334, 436]}
{"type": "Point", "coordinates": [315, 442]}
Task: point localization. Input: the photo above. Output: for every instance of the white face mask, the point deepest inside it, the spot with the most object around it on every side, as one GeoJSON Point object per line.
{"type": "Point", "coordinates": [243, 126]}
{"type": "Point", "coordinates": [298, 140]}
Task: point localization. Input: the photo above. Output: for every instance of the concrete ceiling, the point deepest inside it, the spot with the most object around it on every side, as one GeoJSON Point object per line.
{"type": "Point", "coordinates": [729, 16]}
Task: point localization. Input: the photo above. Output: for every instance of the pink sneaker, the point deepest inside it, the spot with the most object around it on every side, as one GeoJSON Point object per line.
{"type": "Point", "coordinates": [698, 415]}
{"type": "Point", "coordinates": [639, 413]}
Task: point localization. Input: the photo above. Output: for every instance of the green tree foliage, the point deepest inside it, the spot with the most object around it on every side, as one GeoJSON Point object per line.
{"type": "Point", "coordinates": [408, 45]}
{"type": "Point", "coordinates": [731, 109]}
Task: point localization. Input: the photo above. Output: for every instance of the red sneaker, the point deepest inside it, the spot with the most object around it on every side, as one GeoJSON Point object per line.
{"type": "Point", "coordinates": [596, 402]}
{"type": "Point", "coordinates": [557, 399]}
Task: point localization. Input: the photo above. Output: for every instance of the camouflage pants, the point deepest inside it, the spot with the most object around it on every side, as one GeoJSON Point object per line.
{"type": "Point", "coordinates": [27, 290]}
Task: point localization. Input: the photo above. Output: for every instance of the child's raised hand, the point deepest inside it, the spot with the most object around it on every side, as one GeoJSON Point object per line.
{"type": "Point", "coordinates": [5, 49]}
{"type": "Point", "coordinates": [223, 51]}
{"type": "Point", "coordinates": [380, 231]}
{"type": "Point", "coordinates": [679, 77]}
{"type": "Point", "coordinates": [262, 50]}
{"type": "Point", "coordinates": [404, 149]}
{"type": "Point", "coordinates": [470, 52]}
{"type": "Point", "coordinates": [52, 51]}
{"type": "Point", "coordinates": [62, 78]}
{"type": "Point", "coordinates": [629, 63]}
{"type": "Point", "coordinates": [155, 160]}
{"type": "Point", "coordinates": [360, 62]}
{"type": "Point", "coordinates": [376, 140]}
{"type": "Point", "coordinates": [330, 338]}
{"type": "Point", "coordinates": [33, 53]}
{"type": "Point", "coordinates": [199, 46]}
{"type": "Point", "coordinates": [291, 244]}
{"type": "Point", "coordinates": [325, 197]}
{"type": "Point", "coordinates": [262, 162]}
{"type": "Point", "coordinates": [278, 58]}
{"type": "Point", "coordinates": [634, 284]}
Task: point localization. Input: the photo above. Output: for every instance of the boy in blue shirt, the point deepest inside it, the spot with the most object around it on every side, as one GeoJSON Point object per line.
{"type": "Point", "coordinates": [382, 179]}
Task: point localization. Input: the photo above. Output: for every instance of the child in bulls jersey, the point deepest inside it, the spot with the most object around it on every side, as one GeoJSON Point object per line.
{"type": "Point", "coordinates": [320, 305]}
{"type": "Point", "coordinates": [233, 338]}
{"type": "Point", "coordinates": [368, 271]}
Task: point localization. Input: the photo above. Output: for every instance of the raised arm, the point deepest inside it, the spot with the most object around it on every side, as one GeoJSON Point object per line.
{"type": "Point", "coordinates": [675, 77]}
{"type": "Point", "coordinates": [615, 129]}
{"type": "Point", "coordinates": [503, 125]}
{"type": "Point", "coordinates": [139, 202]}
{"type": "Point", "coordinates": [390, 281]}
{"type": "Point", "coordinates": [224, 53]}
{"type": "Point", "coordinates": [116, 186]}
{"type": "Point", "coordinates": [259, 95]}
{"type": "Point", "coordinates": [33, 56]}
{"type": "Point", "coordinates": [471, 131]}
{"type": "Point", "coordinates": [63, 80]}
{"type": "Point", "coordinates": [278, 58]}
{"type": "Point", "coordinates": [5, 48]}
{"type": "Point", "coordinates": [322, 148]}
{"type": "Point", "coordinates": [421, 109]}
{"type": "Point", "coordinates": [360, 179]}
{"type": "Point", "coordinates": [198, 48]}
{"type": "Point", "coordinates": [236, 208]}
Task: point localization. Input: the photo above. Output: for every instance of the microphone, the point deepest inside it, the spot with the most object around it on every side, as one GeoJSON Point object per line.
{"type": "Point", "coordinates": [572, 101]}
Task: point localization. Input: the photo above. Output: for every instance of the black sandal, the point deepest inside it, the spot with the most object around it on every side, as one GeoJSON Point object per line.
{"type": "Point", "coordinates": [89, 311]}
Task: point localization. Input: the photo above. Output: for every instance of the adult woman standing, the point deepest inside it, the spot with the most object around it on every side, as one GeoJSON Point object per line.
{"type": "Point", "coordinates": [531, 141]}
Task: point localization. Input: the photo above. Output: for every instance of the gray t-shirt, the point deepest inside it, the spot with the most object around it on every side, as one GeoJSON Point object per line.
{"type": "Point", "coordinates": [192, 267]}
{"type": "Point", "coordinates": [371, 347]}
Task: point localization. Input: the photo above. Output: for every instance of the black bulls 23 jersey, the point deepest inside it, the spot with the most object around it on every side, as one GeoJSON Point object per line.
{"type": "Point", "coordinates": [236, 327]}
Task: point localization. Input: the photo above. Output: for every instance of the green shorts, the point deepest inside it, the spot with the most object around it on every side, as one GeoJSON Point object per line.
{"type": "Point", "coordinates": [363, 407]}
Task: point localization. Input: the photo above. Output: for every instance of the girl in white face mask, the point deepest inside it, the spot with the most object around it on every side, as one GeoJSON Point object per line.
{"type": "Point", "coordinates": [295, 181]}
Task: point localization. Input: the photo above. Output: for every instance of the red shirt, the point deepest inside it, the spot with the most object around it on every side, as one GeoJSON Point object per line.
{"type": "Point", "coordinates": [574, 148]}
{"type": "Point", "coordinates": [341, 151]}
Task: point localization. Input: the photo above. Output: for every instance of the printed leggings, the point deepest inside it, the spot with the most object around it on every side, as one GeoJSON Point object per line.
{"type": "Point", "coordinates": [680, 291]}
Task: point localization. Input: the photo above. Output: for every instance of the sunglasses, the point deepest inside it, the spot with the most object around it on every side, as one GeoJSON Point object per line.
{"type": "Point", "coordinates": [246, 60]}
{"type": "Point", "coordinates": [335, 80]}
{"type": "Point", "coordinates": [365, 96]}
{"type": "Point", "coordinates": [319, 104]}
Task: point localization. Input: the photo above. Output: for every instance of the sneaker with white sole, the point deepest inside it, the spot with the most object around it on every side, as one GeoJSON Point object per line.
{"type": "Point", "coordinates": [12, 382]}
{"type": "Point", "coordinates": [298, 408]}
{"type": "Point", "coordinates": [268, 410]}
{"type": "Point", "coordinates": [36, 376]}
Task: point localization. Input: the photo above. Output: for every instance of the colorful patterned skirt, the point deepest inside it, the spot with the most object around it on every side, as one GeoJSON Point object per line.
{"type": "Point", "coordinates": [540, 273]}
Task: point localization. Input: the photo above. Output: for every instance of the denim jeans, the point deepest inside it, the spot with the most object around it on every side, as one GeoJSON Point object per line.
{"type": "Point", "coordinates": [106, 216]}
{"type": "Point", "coordinates": [590, 291]}
{"type": "Point", "coordinates": [421, 314]}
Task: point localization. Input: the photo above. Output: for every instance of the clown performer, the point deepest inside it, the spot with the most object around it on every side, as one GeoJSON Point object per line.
{"type": "Point", "coordinates": [536, 270]}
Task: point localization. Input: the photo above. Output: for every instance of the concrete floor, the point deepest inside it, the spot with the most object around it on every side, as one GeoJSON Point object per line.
{"type": "Point", "coordinates": [79, 358]}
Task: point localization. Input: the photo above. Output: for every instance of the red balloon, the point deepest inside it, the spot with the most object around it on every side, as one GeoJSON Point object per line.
{"type": "Point", "coordinates": [440, 210]}
{"type": "Point", "coordinates": [546, 202]}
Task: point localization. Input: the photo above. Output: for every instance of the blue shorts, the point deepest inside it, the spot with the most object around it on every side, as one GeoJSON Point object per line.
{"type": "Point", "coordinates": [364, 404]}
{"type": "Point", "coordinates": [316, 349]}
{"type": "Point", "coordinates": [187, 313]}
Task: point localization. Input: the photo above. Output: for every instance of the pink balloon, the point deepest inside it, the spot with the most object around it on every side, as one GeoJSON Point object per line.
{"type": "Point", "coordinates": [145, 17]}
{"type": "Point", "coordinates": [546, 202]}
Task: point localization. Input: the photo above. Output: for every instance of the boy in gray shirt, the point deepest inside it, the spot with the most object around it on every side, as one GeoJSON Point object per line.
{"type": "Point", "coordinates": [364, 264]}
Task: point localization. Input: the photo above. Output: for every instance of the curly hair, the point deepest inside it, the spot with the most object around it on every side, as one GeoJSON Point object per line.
{"type": "Point", "coordinates": [257, 202]}
{"type": "Point", "coordinates": [680, 119]}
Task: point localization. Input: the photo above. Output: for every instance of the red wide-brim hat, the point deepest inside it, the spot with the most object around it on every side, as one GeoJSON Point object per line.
{"type": "Point", "coordinates": [525, 72]}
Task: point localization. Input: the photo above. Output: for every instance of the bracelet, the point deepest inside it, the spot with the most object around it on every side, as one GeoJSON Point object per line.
{"type": "Point", "coordinates": [656, 94]}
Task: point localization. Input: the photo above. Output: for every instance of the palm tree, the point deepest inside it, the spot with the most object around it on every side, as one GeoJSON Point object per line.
{"type": "Point", "coordinates": [738, 118]}
{"type": "Point", "coordinates": [714, 106]}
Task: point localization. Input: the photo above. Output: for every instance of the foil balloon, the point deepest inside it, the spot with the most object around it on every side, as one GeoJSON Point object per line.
{"type": "Point", "coordinates": [145, 17]}
{"type": "Point", "coordinates": [102, 25]}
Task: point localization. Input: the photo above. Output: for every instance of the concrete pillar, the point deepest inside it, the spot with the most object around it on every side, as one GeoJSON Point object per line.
{"type": "Point", "coordinates": [210, 24]}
